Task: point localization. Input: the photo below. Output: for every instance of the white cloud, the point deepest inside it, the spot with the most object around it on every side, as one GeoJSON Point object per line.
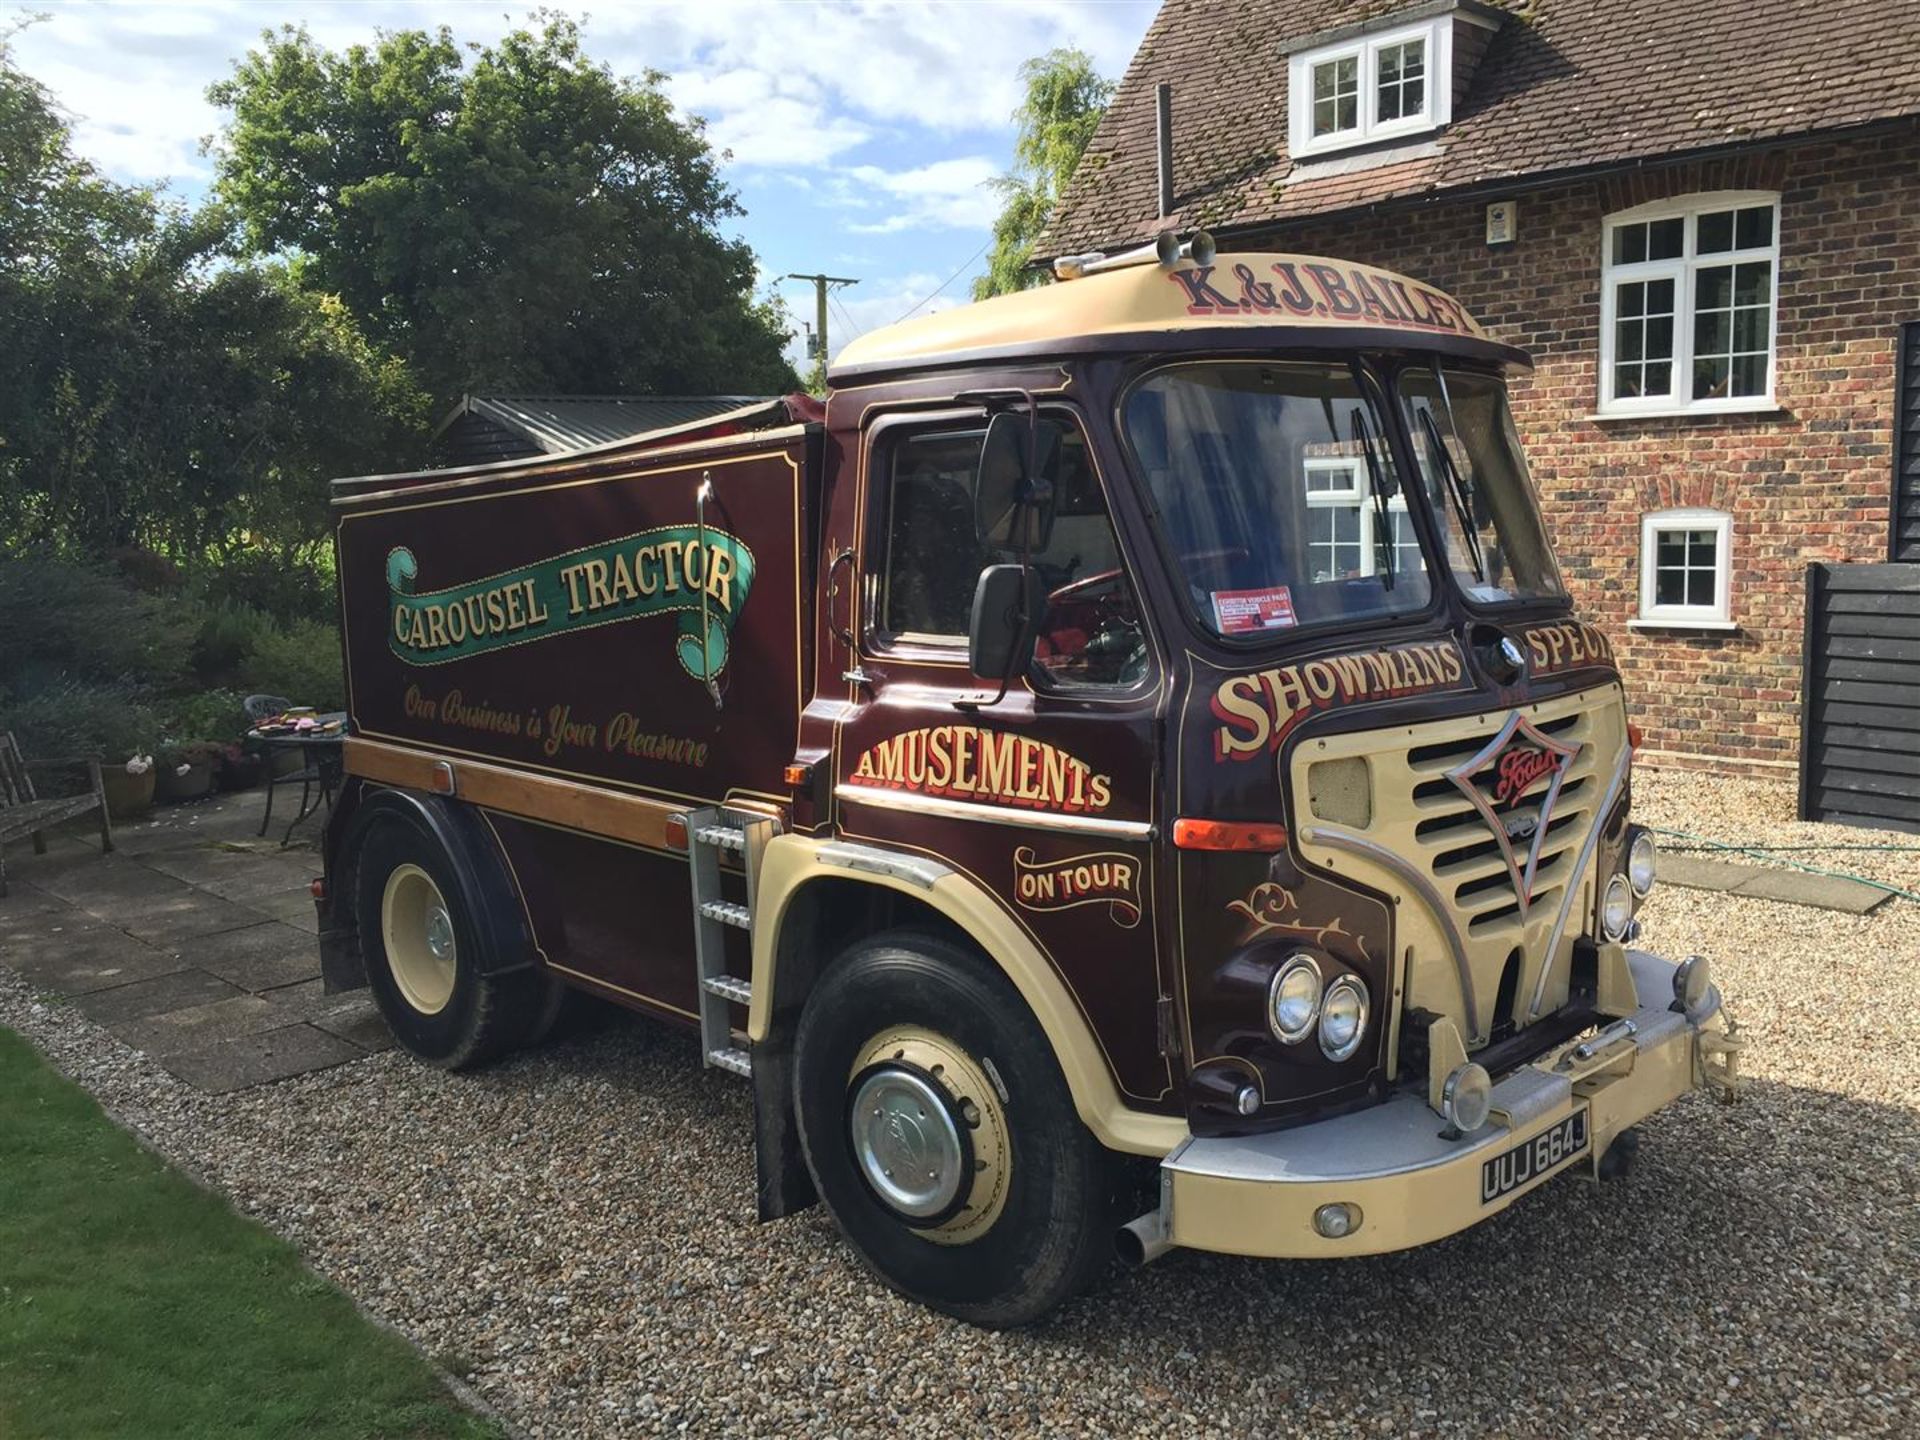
{"type": "Point", "coordinates": [946, 195]}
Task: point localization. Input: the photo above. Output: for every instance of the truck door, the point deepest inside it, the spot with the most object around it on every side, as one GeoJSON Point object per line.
{"type": "Point", "coordinates": [1046, 798]}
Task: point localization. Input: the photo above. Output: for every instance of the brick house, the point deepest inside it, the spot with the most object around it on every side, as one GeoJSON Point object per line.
{"type": "Point", "coordinates": [1702, 220]}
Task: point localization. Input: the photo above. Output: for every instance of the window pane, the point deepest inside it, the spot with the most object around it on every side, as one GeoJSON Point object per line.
{"type": "Point", "coordinates": [1349, 113]}
{"type": "Point", "coordinates": [1336, 93]}
{"type": "Point", "coordinates": [1749, 375]}
{"type": "Point", "coordinates": [1754, 227]}
{"type": "Point", "coordinates": [1713, 287]}
{"type": "Point", "coordinates": [1710, 377]}
{"type": "Point", "coordinates": [1753, 283]}
{"type": "Point", "coordinates": [1716, 233]}
{"type": "Point", "coordinates": [1324, 81]}
{"type": "Point", "coordinates": [1750, 330]}
{"type": "Point", "coordinates": [1627, 380]}
{"type": "Point", "coordinates": [933, 557]}
{"type": "Point", "coordinates": [1670, 548]}
{"type": "Point", "coordinates": [1700, 587]}
{"type": "Point", "coordinates": [1633, 300]}
{"type": "Point", "coordinates": [1660, 378]}
{"type": "Point", "coordinates": [1711, 332]}
{"type": "Point", "coordinates": [1666, 238]}
{"type": "Point", "coordinates": [1700, 547]}
{"type": "Point", "coordinates": [1629, 244]}
{"type": "Point", "coordinates": [1631, 338]}
{"type": "Point", "coordinates": [1660, 338]}
{"type": "Point", "coordinates": [1660, 297]}
{"type": "Point", "coordinates": [1402, 80]}
{"type": "Point", "coordinates": [1670, 587]}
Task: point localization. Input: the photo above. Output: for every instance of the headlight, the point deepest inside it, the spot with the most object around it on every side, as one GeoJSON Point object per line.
{"type": "Point", "coordinates": [1467, 1098]}
{"type": "Point", "coordinates": [1640, 863]}
{"type": "Point", "coordinates": [1343, 1017]}
{"type": "Point", "coordinates": [1691, 981]}
{"type": "Point", "coordinates": [1616, 910]}
{"type": "Point", "coordinates": [1293, 1000]}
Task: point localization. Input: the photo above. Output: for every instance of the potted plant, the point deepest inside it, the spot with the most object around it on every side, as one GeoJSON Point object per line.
{"type": "Point", "coordinates": [185, 771]}
{"type": "Point", "coordinates": [239, 768]}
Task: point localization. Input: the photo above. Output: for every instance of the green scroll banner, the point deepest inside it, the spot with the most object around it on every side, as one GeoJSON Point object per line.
{"type": "Point", "coordinates": [656, 572]}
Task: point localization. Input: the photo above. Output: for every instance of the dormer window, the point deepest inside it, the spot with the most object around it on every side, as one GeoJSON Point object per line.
{"type": "Point", "coordinates": [1370, 87]}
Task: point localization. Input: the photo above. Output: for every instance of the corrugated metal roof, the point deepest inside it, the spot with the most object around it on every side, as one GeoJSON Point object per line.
{"type": "Point", "coordinates": [555, 423]}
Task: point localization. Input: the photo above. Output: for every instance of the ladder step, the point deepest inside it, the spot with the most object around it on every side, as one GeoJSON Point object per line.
{"type": "Point", "coordinates": [728, 913]}
{"type": "Point", "coordinates": [728, 988]}
{"type": "Point", "coordinates": [722, 837]}
{"type": "Point", "coordinates": [738, 1061]}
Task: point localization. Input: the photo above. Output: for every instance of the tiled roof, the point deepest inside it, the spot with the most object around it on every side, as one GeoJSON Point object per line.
{"type": "Point", "coordinates": [1564, 85]}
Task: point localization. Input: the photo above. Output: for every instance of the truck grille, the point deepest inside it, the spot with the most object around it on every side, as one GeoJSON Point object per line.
{"type": "Point", "coordinates": [1469, 933]}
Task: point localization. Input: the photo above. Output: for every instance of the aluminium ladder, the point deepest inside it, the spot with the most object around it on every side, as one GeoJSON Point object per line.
{"type": "Point", "coordinates": [711, 833]}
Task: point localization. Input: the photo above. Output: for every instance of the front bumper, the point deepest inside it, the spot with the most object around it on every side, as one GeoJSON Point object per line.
{"type": "Point", "coordinates": [1256, 1195]}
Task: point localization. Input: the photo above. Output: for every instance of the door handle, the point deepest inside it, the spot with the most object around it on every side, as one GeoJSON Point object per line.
{"type": "Point", "coordinates": [845, 632]}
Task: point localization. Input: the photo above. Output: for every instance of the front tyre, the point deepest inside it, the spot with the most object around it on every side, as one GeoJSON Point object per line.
{"type": "Point", "coordinates": [434, 967]}
{"type": "Point", "coordinates": [941, 1135]}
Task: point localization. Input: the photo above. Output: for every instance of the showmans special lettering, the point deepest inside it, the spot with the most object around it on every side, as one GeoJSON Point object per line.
{"type": "Point", "coordinates": [1257, 711]}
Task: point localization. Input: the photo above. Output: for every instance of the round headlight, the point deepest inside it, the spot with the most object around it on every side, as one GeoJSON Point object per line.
{"type": "Point", "coordinates": [1616, 909]}
{"type": "Point", "coordinates": [1467, 1098]}
{"type": "Point", "coordinates": [1343, 1017]}
{"type": "Point", "coordinates": [1293, 1000]}
{"type": "Point", "coordinates": [1691, 981]}
{"type": "Point", "coordinates": [1640, 863]}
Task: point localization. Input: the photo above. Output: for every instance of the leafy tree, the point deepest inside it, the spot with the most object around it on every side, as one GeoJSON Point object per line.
{"type": "Point", "coordinates": [153, 390]}
{"type": "Point", "coordinates": [510, 216]}
{"type": "Point", "coordinates": [1064, 102]}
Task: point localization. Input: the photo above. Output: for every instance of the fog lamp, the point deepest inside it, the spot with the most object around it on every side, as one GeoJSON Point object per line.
{"type": "Point", "coordinates": [1691, 982]}
{"type": "Point", "coordinates": [1616, 909]}
{"type": "Point", "coordinates": [1247, 1099]}
{"type": "Point", "coordinates": [1640, 863]}
{"type": "Point", "coordinates": [1467, 1098]}
{"type": "Point", "coordinates": [1336, 1221]}
{"type": "Point", "coordinates": [1343, 1017]}
{"type": "Point", "coordinates": [1293, 1000]}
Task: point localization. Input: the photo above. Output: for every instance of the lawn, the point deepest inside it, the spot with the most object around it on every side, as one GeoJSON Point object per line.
{"type": "Point", "coordinates": [133, 1303]}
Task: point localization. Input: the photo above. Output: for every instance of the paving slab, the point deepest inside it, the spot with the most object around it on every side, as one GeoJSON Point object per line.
{"type": "Point", "coordinates": [1693, 872]}
{"type": "Point", "coordinates": [362, 1024]}
{"type": "Point", "coordinates": [104, 878]}
{"type": "Point", "coordinates": [1822, 892]}
{"type": "Point", "coordinates": [234, 871]}
{"type": "Point", "coordinates": [178, 991]}
{"type": "Point", "coordinates": [308, 1001]}
{"type": "Point", "coordinates": [173, 921]}
{"type": "Point", "coordinates": [259, 1059]}
{"type": "Point", "coordinates": [198, 1026]}
{"type": "Point", "coordinates": [80, 960]}
{"type": "Point", "coordinates": [289, 909]}
{"type": "Point", "coordinates": [262, 956]}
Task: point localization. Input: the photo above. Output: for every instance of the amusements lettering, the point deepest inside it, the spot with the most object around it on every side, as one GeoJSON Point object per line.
{"type": "Point", "coordinates": [675, 569]}
{"type": "Point", "coordinates": [964, 762]}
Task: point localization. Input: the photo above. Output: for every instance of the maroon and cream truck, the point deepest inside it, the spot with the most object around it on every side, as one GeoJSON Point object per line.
{"type": "Point", "coordinates": [1124, 770]}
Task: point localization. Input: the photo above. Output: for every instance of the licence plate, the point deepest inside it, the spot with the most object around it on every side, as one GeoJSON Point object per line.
{"type": "Point", "coordinates": [1533, 1158]}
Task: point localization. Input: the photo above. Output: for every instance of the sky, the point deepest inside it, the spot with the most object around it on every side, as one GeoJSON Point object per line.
{"type": "Point", "coordinates": [862, 136]}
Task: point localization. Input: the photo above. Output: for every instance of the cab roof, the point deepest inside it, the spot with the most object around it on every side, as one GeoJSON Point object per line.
{"type": "Point", "coordinates": [1310, 300]}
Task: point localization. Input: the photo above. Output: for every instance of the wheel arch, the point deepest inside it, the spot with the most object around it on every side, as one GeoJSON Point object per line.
{"type": "Point", "coordinates": [808, 910]}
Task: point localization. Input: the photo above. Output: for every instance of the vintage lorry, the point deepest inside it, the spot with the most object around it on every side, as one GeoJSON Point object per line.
{"type": "Point", "coordinates": [1123, 770]}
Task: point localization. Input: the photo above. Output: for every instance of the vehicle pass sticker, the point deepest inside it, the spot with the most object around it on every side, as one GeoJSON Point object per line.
{"type": "Point", "coordinates": [1240, 612]}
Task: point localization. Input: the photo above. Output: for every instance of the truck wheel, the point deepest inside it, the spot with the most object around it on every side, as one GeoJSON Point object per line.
{"type": "Point", "coordinates": [428, 959]}
{"type": "Point", "coordinates": [942, 1137]}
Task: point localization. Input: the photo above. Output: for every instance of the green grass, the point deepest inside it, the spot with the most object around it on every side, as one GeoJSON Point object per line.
{"type": "Point", "coordinates": [133, 1303]}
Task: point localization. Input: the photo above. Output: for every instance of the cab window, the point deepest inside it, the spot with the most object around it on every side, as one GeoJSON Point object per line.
{"type": "Point", "coordinates": [1090, 633]}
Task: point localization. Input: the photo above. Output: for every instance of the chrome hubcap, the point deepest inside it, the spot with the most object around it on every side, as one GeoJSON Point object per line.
{"type": "Point", "coordinates": [908, 1144]}
{"type": "Point", "coordinates": [440, 933]}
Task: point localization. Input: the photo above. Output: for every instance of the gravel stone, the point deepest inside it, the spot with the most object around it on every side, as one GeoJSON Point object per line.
{"type": "Point", "coordinates": [572, 1232]}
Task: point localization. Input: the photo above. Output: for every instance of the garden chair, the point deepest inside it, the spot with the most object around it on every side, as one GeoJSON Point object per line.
{"type": "Point", "coordinates": [23, 812]}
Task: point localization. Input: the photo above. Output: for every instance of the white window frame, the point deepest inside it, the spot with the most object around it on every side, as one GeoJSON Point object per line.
{"type": "Point", "coordinates": [1718, 615]}
{"type": "Point", "coordinates": [1437, 111]}
{"type": "Point", "coordinates": [1356, 495]}
{"type": "Point", "coordinates": [1683, 270]}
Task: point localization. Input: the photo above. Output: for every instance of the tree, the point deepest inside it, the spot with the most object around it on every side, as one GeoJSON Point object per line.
{"type": "Point", "coordinates": [512, 216]}
{"type": "Point", "coordinates": [1065, 99]}
{"type": "Point", "coordinates": [154, 390]}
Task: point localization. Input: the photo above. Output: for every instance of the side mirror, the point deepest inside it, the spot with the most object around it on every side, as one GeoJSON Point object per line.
{"type": "Point", "coordinates": [1005, 607]}
{"type": "Point", "coordinates": [1013, 490]}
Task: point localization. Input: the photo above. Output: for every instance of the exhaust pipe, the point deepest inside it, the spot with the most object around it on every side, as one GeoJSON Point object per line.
{"type": "Point", "coordinates": [1143, 1241]}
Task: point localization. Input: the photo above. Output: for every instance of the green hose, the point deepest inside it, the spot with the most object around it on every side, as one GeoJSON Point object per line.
{"type": "Point", "coordinates": [1763, 852]}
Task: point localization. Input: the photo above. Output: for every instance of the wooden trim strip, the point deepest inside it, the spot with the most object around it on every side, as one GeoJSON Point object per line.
{"type": "Point", "coordinates": [588, 808]}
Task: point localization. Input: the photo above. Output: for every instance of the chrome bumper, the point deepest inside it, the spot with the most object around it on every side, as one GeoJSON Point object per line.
{"type": "Point", "coordinates": [1256, 1195]}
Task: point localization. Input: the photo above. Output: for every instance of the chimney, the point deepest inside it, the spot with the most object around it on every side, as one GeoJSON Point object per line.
{"type": "Point", "coordinates": [1163, 143]}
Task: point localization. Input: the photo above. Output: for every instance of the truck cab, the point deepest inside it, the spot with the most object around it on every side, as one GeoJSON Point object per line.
{"type": "Point", "coordinates": [1177, 806]}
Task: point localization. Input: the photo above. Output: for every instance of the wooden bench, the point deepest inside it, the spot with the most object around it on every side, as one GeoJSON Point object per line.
{"type": "Point", "coordinates": [23, 812]}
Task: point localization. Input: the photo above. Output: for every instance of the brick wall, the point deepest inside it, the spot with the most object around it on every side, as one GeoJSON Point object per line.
{"type": "Point", "coordinates": [1812, 482]}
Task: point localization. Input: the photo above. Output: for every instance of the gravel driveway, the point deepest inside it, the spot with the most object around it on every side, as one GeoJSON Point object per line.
{"type": "Point", "coordinates": [573, 1232]}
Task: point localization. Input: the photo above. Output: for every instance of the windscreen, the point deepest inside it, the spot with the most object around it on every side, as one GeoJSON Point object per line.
{"type": "Point", "coordinates": [1277, 497]}
{"type": "Point", "coordinates": [1476, 481]}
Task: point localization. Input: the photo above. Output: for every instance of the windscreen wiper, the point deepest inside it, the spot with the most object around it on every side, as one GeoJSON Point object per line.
{"type": "Point", "coordinates": [1362, 435]}
{"type": "Point", "coordinates": [1456, 489]}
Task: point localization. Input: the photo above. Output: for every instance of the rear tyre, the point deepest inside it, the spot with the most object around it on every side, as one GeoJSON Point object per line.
{"type": "Point", "coordinates": [430, 960]}
{"type": "Point", "coordinates": [941, 1135]}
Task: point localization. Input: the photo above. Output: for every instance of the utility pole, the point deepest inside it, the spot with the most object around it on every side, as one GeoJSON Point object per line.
{"type": "Point", "coordinates": [817, 342]}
